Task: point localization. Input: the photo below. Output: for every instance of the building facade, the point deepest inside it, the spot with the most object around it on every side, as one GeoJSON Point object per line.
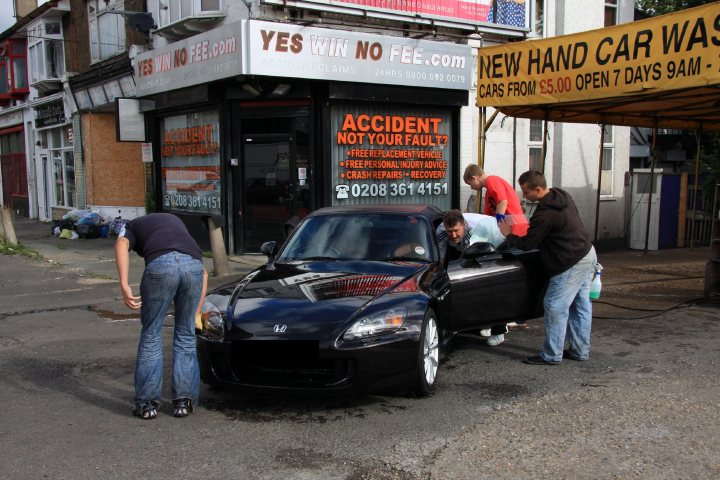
{"type": "Point", "coordinates": [274, 111]}
{"type": "Point", "coordinates": [35, 113]}
{"type": "Point", "coordinates": [254, 113]}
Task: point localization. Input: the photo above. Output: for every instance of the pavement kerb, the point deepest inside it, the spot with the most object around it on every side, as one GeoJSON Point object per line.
{"type": "Point", "coordinates": [96, 257]}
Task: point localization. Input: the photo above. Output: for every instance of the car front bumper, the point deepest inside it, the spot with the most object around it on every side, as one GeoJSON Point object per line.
{"type": "Point", "coordinates": [305, 366]}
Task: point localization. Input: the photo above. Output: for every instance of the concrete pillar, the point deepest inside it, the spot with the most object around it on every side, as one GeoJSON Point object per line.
{"type": "Point", "coordinates": [217, 245]}
{"type": "Point", "coordinates": [7, 226]}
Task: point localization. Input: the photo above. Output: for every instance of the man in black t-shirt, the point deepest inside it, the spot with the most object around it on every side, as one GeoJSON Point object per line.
{"type": "Point", "coordinates": [174, 273]}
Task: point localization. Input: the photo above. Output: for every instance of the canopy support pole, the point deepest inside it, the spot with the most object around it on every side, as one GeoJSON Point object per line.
{"type": "Point", "coordinates": [652, 181]}
{"type": "Point", "coordinates": [482, 141]}
{"type": "Point", "coordinates": [544, 145]}
{"type": "Point", "coordinates": [695, 190]}
{"type": "Point", "coordinates": [599, 181]}
{"type": "Point", "coordinates": [481, 151]}
{"type": "Point", "coordinates": [514, 155]}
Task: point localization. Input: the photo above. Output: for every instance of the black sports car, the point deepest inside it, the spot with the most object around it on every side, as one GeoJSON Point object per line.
{"type": "Point", "coordinates": [358, 298]}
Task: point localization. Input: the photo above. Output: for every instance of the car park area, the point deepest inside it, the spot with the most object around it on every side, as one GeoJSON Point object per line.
{"type": "Point", "coordinates": [644, 406]}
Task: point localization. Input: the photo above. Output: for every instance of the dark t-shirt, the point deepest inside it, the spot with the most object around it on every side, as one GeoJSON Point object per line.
{"type": "Point", "coordinates": [159, 233]}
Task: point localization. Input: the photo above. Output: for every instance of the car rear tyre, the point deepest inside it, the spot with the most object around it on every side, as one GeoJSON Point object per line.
{"type": "Point", "coordinates": [428, 356]}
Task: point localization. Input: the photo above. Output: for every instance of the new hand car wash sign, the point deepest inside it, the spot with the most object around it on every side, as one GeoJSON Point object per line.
{"type": "Point", "coordinates": [664, 53]}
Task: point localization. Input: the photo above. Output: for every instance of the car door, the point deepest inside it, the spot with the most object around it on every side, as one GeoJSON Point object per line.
{"type": "Point", "coordinates": [489, 290]}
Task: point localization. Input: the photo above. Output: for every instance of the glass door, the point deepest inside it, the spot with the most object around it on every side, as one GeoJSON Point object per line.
{"type": "Point", "coordinates": [269, 183]}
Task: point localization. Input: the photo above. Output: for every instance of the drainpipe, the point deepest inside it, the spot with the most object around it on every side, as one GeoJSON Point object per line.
{"type": "Point", "coordinates": [599, 181]}
{"type": "Point", "coordinates": [694, 199]}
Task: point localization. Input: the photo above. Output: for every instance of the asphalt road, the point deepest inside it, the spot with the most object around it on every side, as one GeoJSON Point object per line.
{"type": "Point", "coordinates": [645, 406]}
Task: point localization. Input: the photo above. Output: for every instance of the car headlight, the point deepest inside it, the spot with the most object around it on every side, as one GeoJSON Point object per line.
{"type": "Point", "coordinates": [389, 321]}
{"type": "Point", "coordinates": [213, 324]}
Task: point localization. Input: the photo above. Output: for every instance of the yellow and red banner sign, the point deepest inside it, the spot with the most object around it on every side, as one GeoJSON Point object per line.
{"type": "Point", "coordinates": [670, 52]}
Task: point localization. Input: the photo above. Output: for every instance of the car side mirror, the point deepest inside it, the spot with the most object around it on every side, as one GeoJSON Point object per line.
{"type": "Point", "coordinates": [478, 249]}
{"type": "Point", "coordinates": [269, 249]}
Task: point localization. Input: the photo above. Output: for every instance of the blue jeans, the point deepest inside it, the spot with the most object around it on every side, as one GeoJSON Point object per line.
{"type": "Point", "coordinates": [171, 278]}
{"type": "Point", "coordinates": [568, 311]}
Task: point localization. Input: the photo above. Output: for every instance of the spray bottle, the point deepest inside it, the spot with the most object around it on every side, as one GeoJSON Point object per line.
{"type": "Point", "coordinates": [596, 284]}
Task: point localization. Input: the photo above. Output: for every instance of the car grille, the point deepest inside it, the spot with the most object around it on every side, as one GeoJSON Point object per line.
{"type": "Point", "coordinates": [355, 286]}
{"type": "Point", "coordinates": [289, 364]}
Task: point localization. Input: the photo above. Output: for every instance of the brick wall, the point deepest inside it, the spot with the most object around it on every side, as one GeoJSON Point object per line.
{"type": "Point", "coordinates": [76, 31]}
{"type": "Point", "coordinates": [77, 34]}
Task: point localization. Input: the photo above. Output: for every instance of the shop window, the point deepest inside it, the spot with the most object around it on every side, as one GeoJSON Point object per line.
{"type": "Point", "coordinates": [13, 69]}
{"type": "Point", "coordinates": [190, 163]}
{"type": "Point", "coordinates": [611, 12]}
{"type": "Point", "coordinates": [606, 174]}
{"type": "Point", "coordinates": [63, 167]}
{"type": "Point", "coordinates": [46, 53]}
{"type": "Point", "coordinates": [400, 161]}
{"type": "Point", "coordinates": [107, 29]}
{"type": "Point", "coordinates": [174, 11]}
{"type": "Point", "coordinates": [12, 143]}
{"type": "Point", "coordinates": [12, 162]}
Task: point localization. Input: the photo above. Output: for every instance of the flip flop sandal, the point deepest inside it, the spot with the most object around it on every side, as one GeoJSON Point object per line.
{"type": "Point", "coordinates": [183, 407]}
{"type": "Point", "coordinates": [146, 411]}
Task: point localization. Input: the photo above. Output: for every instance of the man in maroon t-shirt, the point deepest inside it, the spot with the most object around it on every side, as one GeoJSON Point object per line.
{"type": "Point", "coordinates": [501, 201]}
{"type": "Point", "coordinates": [174, 274]}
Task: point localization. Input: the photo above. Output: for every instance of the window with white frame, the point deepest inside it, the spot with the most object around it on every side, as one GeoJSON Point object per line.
{"type": "Point", "coordinates": [107, 29]}
{"type": "Point", "coordinates": [171, 11]}
{"type": "Point", "coordinates": [540, 18]}
{"type": "Point", "coordinates": [46, 51]}
{"type": "Point", "coordinates": [535, 145]}
{"type": "Point", "coordinates": [606, 174]}
{"type": "Point", "coordinates": [611, 11]}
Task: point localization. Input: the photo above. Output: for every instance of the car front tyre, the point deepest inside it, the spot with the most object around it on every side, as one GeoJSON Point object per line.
{"type": "Point", "coordinates": [428, 355]}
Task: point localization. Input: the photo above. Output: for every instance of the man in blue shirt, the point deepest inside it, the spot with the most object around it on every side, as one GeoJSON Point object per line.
{"type": "Point", "coordinates": [456, 232]}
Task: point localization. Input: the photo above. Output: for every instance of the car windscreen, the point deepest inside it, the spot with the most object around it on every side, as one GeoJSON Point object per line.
{"type": "Point", "coordinates": [381, 237]}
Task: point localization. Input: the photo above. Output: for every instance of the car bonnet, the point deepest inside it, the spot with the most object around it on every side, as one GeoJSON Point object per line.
{"type": "Point", "coordinates": [310, 300]}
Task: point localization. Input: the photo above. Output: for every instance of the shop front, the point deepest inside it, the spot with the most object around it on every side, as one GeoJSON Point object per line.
{"type": "Point", "coordinates": [54, 162]}
{"type": "Point", "coordinates": [255, 124]}
{"type": "Point", "coordinates": [13, 173]}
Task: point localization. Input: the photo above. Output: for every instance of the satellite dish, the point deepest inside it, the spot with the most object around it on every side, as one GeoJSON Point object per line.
{"type": "Point", "coordinates": [142, 22]}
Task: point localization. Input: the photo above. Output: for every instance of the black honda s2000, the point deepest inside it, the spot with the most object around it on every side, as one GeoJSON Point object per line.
{"type": "Point", "coordinates": [358, 298]}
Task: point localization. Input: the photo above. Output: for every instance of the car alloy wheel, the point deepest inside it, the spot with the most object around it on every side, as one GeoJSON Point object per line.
{"type": "Point", "coordinates": [428, 357]}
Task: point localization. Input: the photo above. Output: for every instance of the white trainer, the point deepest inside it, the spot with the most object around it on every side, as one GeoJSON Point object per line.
{"type": "Point", "coordinates": [495, 340]}
{"type": "Point", "coordinates": [485, 332]}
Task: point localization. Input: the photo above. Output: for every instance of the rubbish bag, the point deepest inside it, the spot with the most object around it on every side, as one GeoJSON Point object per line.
{"type": "Point", "coordinates": [75, 215]}
{"type": "Point", "coordinates": [91, 218]}
{"type": "Point", "coordinates": [63, 225]}
{"type": "Point", "coordinates": [88, 231]}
